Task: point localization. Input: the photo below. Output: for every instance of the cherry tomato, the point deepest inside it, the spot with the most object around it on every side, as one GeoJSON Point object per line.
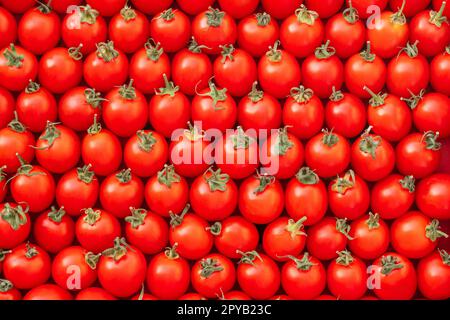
{"type": "Point", "coordinates": [172, 29]}
{"type": "Point", "coordinates": [433, 275]}
{"type": "Point", "coordinates": [15, 225]}
{"type": "Point", "coordinates": [17, 67]}
{"type": "Point", "coordinates": [431, 112]}
{"type": "Point", "coordinates": [238, 8]}
{"type": "Point", "coordinates": [47, 292]}
{"type": "Point", "coordinates": [440, 70]}
{"type": "Point", "coordinates": [433, 196]}
{"type": "Point", "coordinates": [191, 296]}
{"type": "Point", "coordinates": [151, 7]}
{"type": "Point", "coordinates": [256, 33]}
{"type": "Point", "coordinates": [7, 106]}
{"type": "Point", "coordinates": [8, 292]}
{"type": "Point", "coordinates": [8, 27]}
{"type": "Point", "coordinates": [107, 7]}
{"type": "Point", "coordinates": [365, 8]}
{"type": "Point", "coordinates": [61, 6]}
{"type": "Point", "coordinates": [325, 9]}
{"type": "Point", "coordinates": [94, 293]}
{"type": "Point", "coordinates": [411, 8]}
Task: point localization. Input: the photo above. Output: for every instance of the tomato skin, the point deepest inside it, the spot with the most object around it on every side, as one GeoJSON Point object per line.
{"type": "Point", "coordinates": [223, 31]}
{"type": "Point", "coordinates": [238, 9]}
{"type": "Point", "coordinates": [219, 282]}
{"type": "Point", "coordinates": [325, 9]}
{"type": "Point", "coordinates": [129, 31]}
{"type": "Point", "coordinates": [280, 9]}
{"type": "Point", "coordinates": [12, 143]}
{"type": "Point", "coordinates": [399, 284]}
{"type": "Point", "coordinates": [172, 29]}
{"type": "Point", "coordinates": [168, 276]}
{"type": "Point", "coordinates": [51, 235]}
{"type": "Point", "coordinates": [13, 237]}
{"type": "Point", "coordinates": [433, 276]}
{"type": "Point", "coordinates": [16, 78]}
{"type": "Point", "coordinates": [7, 106]}
{"type": "Point", "coordinates": [96, 230]}
{"type": "Point", "coordinates": [236, 233]}
{"type": "Point", "coordinates": [261, 279]}
{"type": "Point", "coordinates": [153, 7]}
{"type": "Point", "coordinates": [65, 260]}
{"type": "Point", "coordinates": [47, 292]}
{"type": "Point", "coordinates": [362, 6]}
{"type": "Point", "coordinates": [18, 7]}
{"type": "Point", "coordinates": [256, 33]}
{"type": "Point", "coordinates": [432, 113]}
{"type": "Point", "coordinates": [94, 293]}
{"type": "Point", "coordinates": [324, 240]}
{"type": "Point", "coordinates": [440, 70]}
{"type": "Point", "coordinates": [8, 28]}
{"type": "Point", "coordinates": [414, 158]}
{"type": "Point", "coordinates": [392, 196]}
{"type": "Point", "coordinates": [61, 6]}
{"type": "Point", "coordinates": [107, 7]}
{"type": "Point", "coordinates": [433, 196]}
{"type": "Point", "coordinates": [26, 272]}
{"type": "Point", "coordinates": [411, 8]}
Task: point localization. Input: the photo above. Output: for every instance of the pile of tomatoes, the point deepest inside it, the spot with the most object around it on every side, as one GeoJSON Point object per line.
{"type": "Point", "coordinates": [354, 96]}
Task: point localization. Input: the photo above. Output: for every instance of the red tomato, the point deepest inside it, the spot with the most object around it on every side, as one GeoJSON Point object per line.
{"type": "Point", "coordinates": [437, 5]}
{"type": "Point", "coordinates": [17, 67]}
{"type": "Point", "coordinates": [61, 6]}
{"type": "Point", "coordinates": [440, 70]}
{"type": "Point", "coordinates": [410, 8]}
{"type": "Point", "coordinates": [328, 154]}
{"type": "Point", "coordinates": [58, 148]}
{"type": "Point", "coordinates": [278, 72]}
{"type": "Point", "coordinates": [121, 269]}
{"type": "Point", "coordinates": [418, 154]}
{"type": "Point", "coordinates": [8, 292]}
{"type": "Point", "coordinates": [94, 293]}
{"type": "Point", "coordinates": [235, 234]}
{"type": "Point", "coordinates": [83, 25]}
{"type": "Point", "coordinates": [433, 196]}
{"type": "Point", "coordinates": [151, 7]}
{"type": "Point", "coordinates": [47, 292]}
{"type": "Point", "coordinates": [166, 191]}
{"type": "Point", "coordinates": [365, 8]}
{"type": "Point", "coordinates": [107, 7]}
{"type": "Point", "coordinates": [53, 230]}
{"type": "Point", "coordinates": [129, 29]}
{"type": "Point", "coordinates": [303, 278]}
{"type": "Point", "coordinates": [284, 238]}
{"type": "Point", "coordinates": [96, 229]}
{"type": "Point", "coordinates": [214, 28]}
{"type": "Point", "coordinates": [280, 9]}
{"type": "Point", "coordinates": [256, 33]}
{"type": "Point", "coordinates": [306, 196]}
{"type": "Point", "coordinates": [393, 196]}
{"type": "Point", "coordinates": [327, 237]}
{"type": "Point", "coordinates": [397, 277]}
{"type": "Point", "coordinates": [168, 275]}
{"type": "Point", "coordinates": [234, 295]}
{"type": "Point", "coordinates": [433, 275]}
{"type": "Point", "coordinates": [370, 237]}
{"type": "Point", "coordinates": [27, 266]}
{"type": "Point", "coordinates": [7, 106]}
{"type": "Point", "coordinates": [172, 29]}
{"type": "Point", "coordinates": [71, 261]}
{"type": "Point", "coordinates": [303, 113]}
{"type": "Point", "coordinates": [18, 7]}
{"type": "Point", "coordinates": [238, 9]}
{"type": "Point", "coordinates": [258, 275]}
{"type": "Point", "coordinates": [213, 275]}
{"type": "Point", "coordinates": [347, 277]}
{"type": "Point", "coordinates": [8, 28]}
{"type": "Point", "coordinates": [326, 8]}
{"type": "Point", "coordinates": [191, 296]}
{"type": "Point", "coordinates": [15, 226]}
{"type": "Point", "coordinates": [169, 109]}
{"type": "Point", "coordinates": [3, 186]}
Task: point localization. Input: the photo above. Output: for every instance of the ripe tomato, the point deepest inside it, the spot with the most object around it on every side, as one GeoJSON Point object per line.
{"type": "Point", "coordinates": [433, 275]}
{"type": "Point", "coordinates": [370, 237]}
{"type": "Point", "coordinates": [392, 196]}
{"type": "Point", "coordinates": [191, 296]}
{"type": "Point", "coordinates": [169, 109]}
{"type": "Point", "coordinates": [303, 278]}
{"type": "Point", "coordinates": [15, 226]}
{"type": "Point", "coordinates": [146, 231]}
{"type": "Point", "coordinates": [75, 258]}
{"type": "Point", "coordinates": [235, 70]}
{"type": "Point", "coordinates": [284, 238]}
{"type": "Point", "coordinates": [121, 269]}
{"type": "Point", "coordinates": [365, 7]}
{"type": "Point", "coordinates": [101, 149]}
{"type": "Point", "coordinates": [27, 266]}
{"type": "Point", "coordinates": [166, 191]}
{"type": "Point", "coordinates": [83, 25]}
{"type": "Point", "coordinates": [258, 275]}
{"type": "Point", "coordinates": [214, 28]}
{"type": "Point", "coordinates": [280, 9]}
{"type": "Point", "coordinates": [107, 7]}
{"type": "Point", "coordinates": [306, 196]}
{"type": "Point", "coordinates": [168, 275]}
{"type": "Point", "coordinates": [151, 7]}
{"type": "Point", "coordinates": [433, 196]}
{"type": "Point", "coordinates": [3, 187]}
{"type": "Point", "coordinates": [347, 277]}
{"type": "Point", "coordinates": [192, 234]}
{"type": "Point", "coordinates": [235, 234]}
{"type": "Point", "coordinates": [129, 29]}
{"type": "Point", "coordinates": [96, 230]}
{"type": "Point", "coordinates": [418, 154]}
{"type": "Point", "coordinates": [327, 237]}
{"type": "Point", "coordinates": [17, 67]}
{"type": "Point", "coordinates": [58, 148]}
{"type": "Point", "coordinates": [18, 7]}
{"type": "Point", "coordinates": [389, 116]}
{"type": "Point", "coordinates": [61, 6]}
{"type": "Point", "coordinates": [325, 9]}
{"type": "Point", "coordinates": [346, 33]}
{"type": "Point", "coordinates": [53, 230]}
{"type": "Point", "coordinates": [278, 72]}
{"type": "Point", "coordinates": [397, 277]}
{"type": "Point", "coordinates": [213, 275]}
{"type": "Point", "coordinates": [234, 295]}
{"type": "Point", "coordinates": [213, 195]}
{"type": "Point", "coordinates": [238, 9]}
{"type": "Point", "coordinates": [440, 70]}
{"type": "Point", "coordinates": [172, 29]}
{"type": "Point", "coordinates": [94, 293]}
{"type": "Point", "coordinates": [256, 33]}
{"type": "Point", "coordinates": [8, 292]}
{"type": "Point", "coordinates": [410, 8]}
{"type": "Point", "coordinates": [7, 106]}
{"type": "Point", "coordinates": [47, 292]}
{"type": "Point", "coordinates": [8, 27]}
{"type": "Point", "coordinates": [328, 154]}
{"type": "Point", "coordinates": [303, 113]}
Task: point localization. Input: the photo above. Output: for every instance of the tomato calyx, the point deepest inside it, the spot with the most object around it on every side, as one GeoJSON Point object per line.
{"type": "Point", "coordinates": [329, 138]}
{"type": "Point", "coordinates": [255, 95]}
{"type": "Point", "coordinates": [307, 176]}
{"type": "Point", "coordinates": [141, 293]}
{"type": "Point", "coordinates": [146, 140]}
{"type": "Point", "coordinates": [5, 285]}
{"type": "Point", "coordinates": [283, 144]}
{"type": "Point", "coordinates": [3, 254]}
{"type": "Point", "coordinates": [153, 50]}
{"type": "Point", "coordinates": [119, 250]}
{"type": "Point", "coordinates": [215, 228]}
{"type": "Point", "coordinates": [167, 176]}
{"type": "Point", "coordinates": [15, 217]}
{"type": "Point", "coordinates": [377, 100]}
{"type": "Point", "coordinates": [216, 180]}
{"type": "Point", "coordinates": [16, 125]}
{"type": "Point", "coordinates": [137, 217]}
{"type": "Point", "coordinates": [248, 257]}
{"type": "Point", "coordinates": [433, 232]}
{"type": "Point", "coordinates": [167, 15]}
{"type": "Point", "coordinates": [437, 17]}
{"type": "Point", "coordinates": [88, 15]}
{"type": "Point", "coordinates": [169, 89]}
{"type": "Point", "coordinates": [411, 50]}
{"type": "Point", "coordinates": [344, 258]}
{"type": "Point", "coordinates": [124, 176]}
{"type": "Point", "coordinates": [295, 227]}
{"type": "Point", "coordinates": [399, 17]}
{"type": "Point", "coordinates": [414, 100]}
{"type": "Point", "coordinates": [93, 98]}
{"type": "Point", "coordinates": [240, 139]}
{"type": "Point", "coordinates": [209, 266]}
{"type": "Point", "coordinates": [193, 133]}
{"type": "Point", "coordinates": [95, 128]}
{"type": "Point", "coordinates": [324, 51]}
{"type": "Point", "coordinates": [25, 169]}
{"type": "Point", "coordinates": [274, 54]}
{"type": "Point", "coordinates": [215, 94]}
{"type": "Point", "coordinates": [369, 143]}
{"type": "Point", "coordinates": [106, 51]}
{"type": "Point", "coordinates": [30, 251]}
{"type": "Point", "coordinates": [227, 52]}
{"type": "Point", "coordinates": [91, 259]}
{"type": "Point", "coordinates": [444, 256]}
{"type": "Point", "coordinates": [430, 139]}
{"type": "Point", "coordinates": [343, 227]}
{"type": "Point", "coordinates": [373, 222]}
{"type": "Point", "coordinates": [341, 185]}
{"type": "Point", "coordinates": [264, 181]}
{"type": "Point", "coordinates": [128, 13]}
{"type": "Point", "coordinates": [91, 216]}
{"type": "Point", "coordinates": [56, 215]}
{"type": "Point", "coordinates": [32, 87]}
{"type": "Point", "coordinates": [303, 264]}
{"type": "Point", "coordinates": [350, 14]}
{"type": "Point", "coordinates": [50, 134]}
{"type": "Point", "coordinates": [367, 54]}
{"type": "Point", "coordinates": [75, 52]}
{"type": "Point", "coordinates": [301, 94]}
{"type": "Point", "coordinates": [214, 17]}
{"type": "Point", "coordinates": [175, 219]}
{"type": "Point", "coordinates": [336, 95]}
{"type": "Point", "coordinates": [408, 183]}
{"type": "Point", "coordinates": [171, 252]}
{"type": "Point", "coordinates": [194, 47]}
{"type": "Point", "coordinates": [127, 91]}
{"type": "Point", "coordinates": [390, 263]}
{"type": "Point", "coordinates": [262, 19]}
{"type": "Point", "coordinates": [306, 16]}
{"type": "Point", "coordinates": [85, 174]}
{"type": "Point", "coordinates": [13, 58]}
{"type": "Point", "coordinates": [44, 8]}
{"type": "Point", "coordinates": [2, 173]}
